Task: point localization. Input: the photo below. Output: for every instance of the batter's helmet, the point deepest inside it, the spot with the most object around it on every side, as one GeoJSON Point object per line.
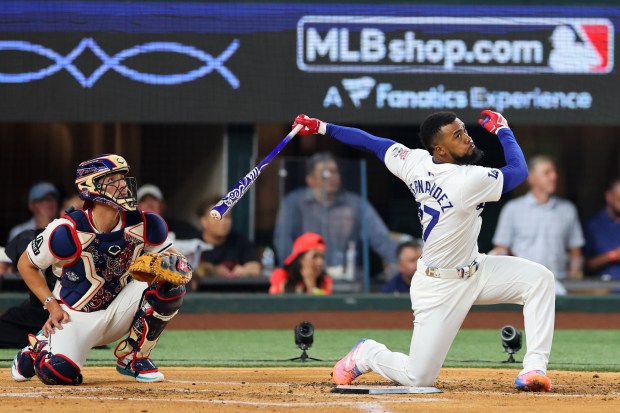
{"type": "Point", "coordinates": [90, 186]}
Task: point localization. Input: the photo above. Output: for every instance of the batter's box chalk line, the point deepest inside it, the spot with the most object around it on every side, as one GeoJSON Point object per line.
{"type": "Point", "coordinates": [360, 389]}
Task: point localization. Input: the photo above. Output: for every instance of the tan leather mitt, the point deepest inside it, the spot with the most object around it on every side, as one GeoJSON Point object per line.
{"type": "Point", "coordinates": [153, 267]}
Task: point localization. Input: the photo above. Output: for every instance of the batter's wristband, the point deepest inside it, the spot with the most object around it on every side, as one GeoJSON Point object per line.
{"type": "Point", "coordinates": [612, 255]}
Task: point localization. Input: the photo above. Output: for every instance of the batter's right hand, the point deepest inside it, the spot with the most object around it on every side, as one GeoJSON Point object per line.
{"type": "Point", "coordinates": [57, 318]}
{"type": "Point", "coordinates": [493, 121]}
{"type": "Point", "coordinates": [312, 126]}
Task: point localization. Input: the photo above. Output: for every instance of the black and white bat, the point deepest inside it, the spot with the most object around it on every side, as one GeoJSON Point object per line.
{"type": "Point", "coordinates": [234, 195]}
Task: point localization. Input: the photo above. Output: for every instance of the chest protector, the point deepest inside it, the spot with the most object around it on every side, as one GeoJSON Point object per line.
{"type": "Point", "coordinates": [99, 271]}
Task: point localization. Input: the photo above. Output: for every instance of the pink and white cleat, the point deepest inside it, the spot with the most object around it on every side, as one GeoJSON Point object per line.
{"type": "Point", "coordinates": [534, 380]}
{"type": "Point", "coordinates": [346, 370]}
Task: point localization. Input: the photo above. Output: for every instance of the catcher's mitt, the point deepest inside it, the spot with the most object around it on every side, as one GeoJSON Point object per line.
{"type": "Point", "coordinates": [153, 267]}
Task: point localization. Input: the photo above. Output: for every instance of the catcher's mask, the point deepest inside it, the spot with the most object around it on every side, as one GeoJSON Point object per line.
{"type": "Point", "coordinates": [89, 181]}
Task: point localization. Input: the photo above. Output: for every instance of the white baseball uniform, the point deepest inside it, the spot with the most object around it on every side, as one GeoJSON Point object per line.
{"type": "Point", "coordinates": [452, 275]}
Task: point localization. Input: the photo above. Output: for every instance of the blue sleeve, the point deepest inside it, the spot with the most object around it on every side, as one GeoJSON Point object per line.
{"type": "Point", "coordinates": [515, 171]}
{"type": "Point", "coordinates": [360, 139]}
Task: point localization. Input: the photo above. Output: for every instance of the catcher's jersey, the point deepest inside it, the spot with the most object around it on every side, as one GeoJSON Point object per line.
{"type": "Point", "coordinates": [450, 199]}
{"type": "Point", "coordinates": [92, 266]}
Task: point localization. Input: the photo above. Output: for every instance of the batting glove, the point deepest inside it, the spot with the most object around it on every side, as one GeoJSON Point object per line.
{"type": "Point", "coordinates": [312, 126]}
{"type": "Point", "coordinates": [493, 121]}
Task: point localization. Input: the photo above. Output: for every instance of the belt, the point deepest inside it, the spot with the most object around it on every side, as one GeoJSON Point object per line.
{"type": "Point", "coordinates": [464, 273]}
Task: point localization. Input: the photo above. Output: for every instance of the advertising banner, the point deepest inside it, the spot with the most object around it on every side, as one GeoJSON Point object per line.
{"type": "Point", "coordinates": [260, 62]}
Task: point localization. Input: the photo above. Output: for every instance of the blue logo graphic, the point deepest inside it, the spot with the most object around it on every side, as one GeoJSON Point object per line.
{"type": "Point", "coordinates": [114, 63]}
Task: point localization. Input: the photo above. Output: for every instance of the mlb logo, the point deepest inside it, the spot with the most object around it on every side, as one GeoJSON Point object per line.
{"type": "Point", "coordinates": [582, 46]}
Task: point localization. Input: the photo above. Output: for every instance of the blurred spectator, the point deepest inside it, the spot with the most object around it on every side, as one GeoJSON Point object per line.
{"type": "Point", "coordinates": [542, 227]}
{"type": "Point", "coordinates": [71, 202]}
{"type": "Point", "coordinates": [408, 254]}
{"type": "Point", "coordinates": [43, 203]}
{"type": "Point", "coordinates": [150, 198]}
{"type": "Point", "coordinates": [232, 255]}
{"type": "Point", "coordinates": [304, 269]}
{"type": "Point", "coordinates": [603, 237]}
{"type": "Point", "coordinates": [29, 316]}
{"type": "Point", "coordinates": [325, 208]}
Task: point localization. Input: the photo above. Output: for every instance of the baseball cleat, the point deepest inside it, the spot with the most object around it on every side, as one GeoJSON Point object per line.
{"type": "Point", "coordinates": [345, 371]}
{"type": "Point", "coordinates": [22, 368]}
{"type": "Point", "coordinates": [534, 380]}
{"type": "Point", "coordinates": [144, 370]}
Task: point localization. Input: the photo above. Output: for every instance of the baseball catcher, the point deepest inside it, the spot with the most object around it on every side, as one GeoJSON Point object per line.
{"type": "Point", "coordinates": [117, 275]}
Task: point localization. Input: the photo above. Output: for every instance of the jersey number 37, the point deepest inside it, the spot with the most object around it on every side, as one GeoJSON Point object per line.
{"type": "Point", "coordinates": [434, 215]}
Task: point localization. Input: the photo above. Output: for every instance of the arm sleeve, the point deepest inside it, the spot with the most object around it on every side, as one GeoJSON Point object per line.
{"type": "Point", "coordinates": [515, 170]}
{"type": "Point", "coordinates": [360, 139]}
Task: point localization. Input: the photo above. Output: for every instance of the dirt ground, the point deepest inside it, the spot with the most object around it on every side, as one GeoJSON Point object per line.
{"type": "Point", "coordinates": [306, 389]}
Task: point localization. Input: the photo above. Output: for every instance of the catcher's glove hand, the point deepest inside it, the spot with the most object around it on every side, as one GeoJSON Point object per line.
{"type": "Point", "coordinates": [153, 267]}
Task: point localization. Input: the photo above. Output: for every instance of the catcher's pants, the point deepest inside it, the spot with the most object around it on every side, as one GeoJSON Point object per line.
{"type": "Point", "coordinates": [87, 330]}
{"type": "Point", "coordinates": [440, 306]}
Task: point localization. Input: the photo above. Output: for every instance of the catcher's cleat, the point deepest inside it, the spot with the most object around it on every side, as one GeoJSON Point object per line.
{"type": "Point", "coordinates": [534, 380]}
{"type": "Point", "coordinates": [22, 368]}
{"type": "Point", "coordinates": [144, 370]}
{"type": "Point", "coordinates": [346, 370]}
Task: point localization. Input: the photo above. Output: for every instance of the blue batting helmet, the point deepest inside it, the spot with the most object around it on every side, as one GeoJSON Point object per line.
{"type": "Point", "coordinates": [117, 194]}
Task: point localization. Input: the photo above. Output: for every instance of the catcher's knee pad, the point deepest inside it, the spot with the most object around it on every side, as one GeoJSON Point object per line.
{"type": "Point", "coordinates": [56, 369]}
{"type": "Point", "coordinates": [165, 298]}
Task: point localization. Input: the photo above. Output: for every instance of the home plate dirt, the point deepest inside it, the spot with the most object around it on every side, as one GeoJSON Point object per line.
{"type": "Point", "coordinates": [305, 389]}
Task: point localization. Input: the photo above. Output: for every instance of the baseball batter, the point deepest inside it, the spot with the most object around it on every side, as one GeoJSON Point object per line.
{"type": "Point", "coordinates": [450, 193]}
{"type": "Point", "coordinates": [95, 301]}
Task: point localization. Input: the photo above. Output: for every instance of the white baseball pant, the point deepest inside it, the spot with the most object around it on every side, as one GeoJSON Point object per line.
{"type": "Point", "coordinates": [87, 330]}
{"type": "Point", "coordinates": [440, 306]}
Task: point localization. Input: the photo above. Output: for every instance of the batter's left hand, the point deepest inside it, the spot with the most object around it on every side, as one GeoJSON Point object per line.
{"type": "Point", "coordinates": [493, 121]}
{"type": "Point", "coordinates": [57, 318]}
{"type": "Point", "coordinates": [312, 126]}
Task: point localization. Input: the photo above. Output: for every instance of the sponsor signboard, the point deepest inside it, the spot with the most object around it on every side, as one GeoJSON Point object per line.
{"type": "Point", "coordinates": [260, 62]}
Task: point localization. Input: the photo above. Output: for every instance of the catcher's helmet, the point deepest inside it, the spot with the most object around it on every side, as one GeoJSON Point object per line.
{"type": "Point", "coordinates": [90, 185]}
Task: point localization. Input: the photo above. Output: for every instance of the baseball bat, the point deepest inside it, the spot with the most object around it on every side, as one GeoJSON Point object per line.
{"type": "Point", "coordinates": [234, 195]}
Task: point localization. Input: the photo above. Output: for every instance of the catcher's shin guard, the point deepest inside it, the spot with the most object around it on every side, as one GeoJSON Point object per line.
{"type": "Point", "coordinates": [160, 303]}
